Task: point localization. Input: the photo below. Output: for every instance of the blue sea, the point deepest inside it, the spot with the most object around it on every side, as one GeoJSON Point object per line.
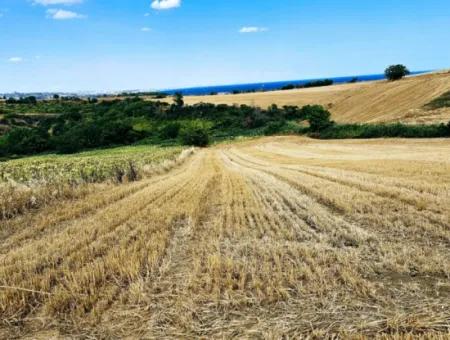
{"type": "Point", "coordinates": [271, 86]}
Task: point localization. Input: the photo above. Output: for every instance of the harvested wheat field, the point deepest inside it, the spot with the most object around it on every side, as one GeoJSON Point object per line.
{"type": "Point", "coordinates": [267, 238]}
{"type": "Point", "coordinates": [368, 102]}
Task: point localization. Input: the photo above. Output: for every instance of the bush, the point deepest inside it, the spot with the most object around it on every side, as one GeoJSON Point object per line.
{"type": "Point", "coordinates": [396, 72]}
{"type": "Point", "coordinates": [160, 96]}
{"type": "Point", "coordinates": [318, 83]}
{"type": "Point", "coordinates": [440, 102]}
{"type": "Point", "coordinates": [315, 83]}
{"type": "Point", "coordinates": [288, 87]}
{"type": "Point", "coordinates": [24, 141]}
{"type": "Point", "coordinates": [318, 117]}
{"type": "Point", "coordinates": [346, 131]}
{"type": "Point", "coordinates": [178, 99]}
{"type": "Point", "coordinates": [196, 134]}
{"type": "Point", "coordinates": [274, 128]}
{"type": "Point", "coordinates": [170, 131]}
{"type": "Point", "coordinates": [94, 134]}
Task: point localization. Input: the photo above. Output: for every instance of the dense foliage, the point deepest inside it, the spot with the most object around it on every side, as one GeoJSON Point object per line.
{"type": "Point", "coordinates": [72, 126]}
{"type": "Point", "coordinates": [26, 100]}
{"type": "Point", "coordinates": [396, 72]}
{"type": "Point", "coordinates": [315, 83]}
{"type": "Point", "coordinates": [346, 131]}
{"type": "Point", "coordinates": [81, 124]}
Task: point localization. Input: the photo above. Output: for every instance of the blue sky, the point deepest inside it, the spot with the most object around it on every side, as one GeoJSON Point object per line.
{"type": "Point", "coordinates": [108, 45]}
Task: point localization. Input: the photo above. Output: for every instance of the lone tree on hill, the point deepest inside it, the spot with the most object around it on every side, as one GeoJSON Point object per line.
{"type": "Point", "coordinates": [396, 72]}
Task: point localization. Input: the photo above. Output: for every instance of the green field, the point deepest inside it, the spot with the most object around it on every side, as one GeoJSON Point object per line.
{"type": "Point", "coordinates": [91, 166]}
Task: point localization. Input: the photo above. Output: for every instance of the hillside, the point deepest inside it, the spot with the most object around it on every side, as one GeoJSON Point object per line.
{"type": "Point", "coordinates": [379, 101]}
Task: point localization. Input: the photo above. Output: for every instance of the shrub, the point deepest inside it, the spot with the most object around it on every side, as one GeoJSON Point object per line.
{"type": "Point", "coordinates": [25, 141]}
{"type": "Point", "coordinates": [274, 127]}
{"type": "Point", "coordinates": [396, 72]}
{"type": "Point", "coordinates": [440, 102]}
{"type": "Point", "coordinates": [170, 131]}
{"type": "Point", "coordinates": [11, 116]}
{"type": "Point", "coordinates": [178, 99]}
{"type": "Point", "coordinates": [319, 118]}
{"type": "Point", "coordinates": [160, 96]}
{"type": "Point", "coordinates": [195, 134]}
{"type": "Point", "coordinates": [318, 83]}
{"type": "Point", "coordinates": [288, 87]}
{"type": "Point", "coordinates": [384, 130]}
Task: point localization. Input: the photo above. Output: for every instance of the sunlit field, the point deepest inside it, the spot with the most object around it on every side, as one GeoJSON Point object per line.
{"type": "Point", "coordinates": [370, 102]}
{"type": "Point", "coordinates": [272, 237]}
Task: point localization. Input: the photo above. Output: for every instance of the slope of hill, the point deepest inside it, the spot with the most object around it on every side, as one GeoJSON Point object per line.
{"type": "Point", "coordinates": [379, 101]}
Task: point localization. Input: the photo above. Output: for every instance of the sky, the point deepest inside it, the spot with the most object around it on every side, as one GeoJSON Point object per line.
{"type": "Point", "coordinates": [113, 45]}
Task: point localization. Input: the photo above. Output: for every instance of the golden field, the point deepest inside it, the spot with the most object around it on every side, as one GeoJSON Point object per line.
{"type": "Point", "coordinates": [273, 237]}
{"type": "Point", "coordinates": [367, 102]}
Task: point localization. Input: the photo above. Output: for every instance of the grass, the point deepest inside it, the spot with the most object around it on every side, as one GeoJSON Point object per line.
{"type": "Point", "coordinates": [32, 182]}
{"type": "Point", "coordinates": [440, 102]}
{"type": "Point", "coordinates": [266, 238]}
{"type": "Point", "coordinates": [92, 166]}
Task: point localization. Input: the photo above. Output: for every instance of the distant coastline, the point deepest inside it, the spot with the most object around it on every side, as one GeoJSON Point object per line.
{"type": "Point", "coordinates": [271, 86]}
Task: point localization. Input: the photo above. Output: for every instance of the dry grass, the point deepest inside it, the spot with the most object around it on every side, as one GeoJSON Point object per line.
{"type": "Point", "coordinates": [379, 101]}
{"type": "Point", "coordinates": [263, 239]}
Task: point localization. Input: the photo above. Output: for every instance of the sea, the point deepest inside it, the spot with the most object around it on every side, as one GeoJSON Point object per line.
{"type": "Point", "coordinates": [271, 86]}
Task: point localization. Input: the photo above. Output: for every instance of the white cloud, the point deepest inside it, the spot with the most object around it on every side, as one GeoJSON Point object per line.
{"type": "Point", "coordinates": [56, 2]}
{"type": "Point", "coordinates": [252, 29]}
{"type": "Point", "coordinates": [165, 4]}
{"type": "Point", "coordinates": [146, 29]}
{"type": "Point", "coordinates": [61, 14]}
{"type": "Point", "coordinates": [15, 60]}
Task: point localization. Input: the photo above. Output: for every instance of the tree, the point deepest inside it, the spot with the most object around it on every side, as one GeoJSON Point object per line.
{"type": "Point", "coordinates": [195, 134]}
{"type": "Point", "coordinates": [396, 72]}
{"type": "Point", "coordinates": [178, 99]}
{"type": "Point", "coordinates": [319, 118]}
{"type": "Point", "coordinates": [170, 130]}
{"type": "Point", "coordinates": [25, 141]}
{"type": "Point", "coordinates": [56, 96]}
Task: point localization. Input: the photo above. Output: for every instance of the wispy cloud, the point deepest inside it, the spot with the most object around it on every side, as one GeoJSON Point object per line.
{"type": "Point", "coordinates": [253, 29]}
{"type": "Point", "coordinates": [56, 2]}
{"type": "Point", "coordinates": [15, 60]}
{"type": "Point", "coordinates": [165, 4]}
{"type": "Point", "coordinates": [146, 14]}
{"type": "Point", "coordinates": [61, 14]}
{"type": "Point", "coordinates": [146, 29]}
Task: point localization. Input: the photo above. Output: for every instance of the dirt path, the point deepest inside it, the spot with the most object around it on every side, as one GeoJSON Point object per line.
{"type": "Point", "coordinates": [279, 236]}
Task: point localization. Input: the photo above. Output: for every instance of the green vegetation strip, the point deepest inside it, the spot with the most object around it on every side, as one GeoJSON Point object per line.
{"type": "Point", "coordinates": [83, 125]}
{"type": "Point", "coordinates": [92, 166]}
{"type": "Point", "coordinates": [440, 102]}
